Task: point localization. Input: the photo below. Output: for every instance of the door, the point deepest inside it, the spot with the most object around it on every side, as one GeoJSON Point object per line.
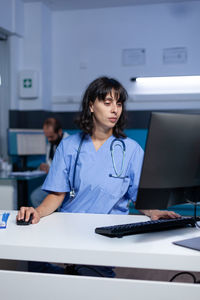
{"type": "Point", "coordinates": [4, 95]}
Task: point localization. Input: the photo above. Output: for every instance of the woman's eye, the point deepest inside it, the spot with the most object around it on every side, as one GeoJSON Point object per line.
{"type": "Point", "coordinates": [107, 103]}
{"type": "Point", "coordinates": [119, 104]}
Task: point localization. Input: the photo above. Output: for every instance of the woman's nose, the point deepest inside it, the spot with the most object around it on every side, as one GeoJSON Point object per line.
{"type": "Point", "coordinates": [114, 108]}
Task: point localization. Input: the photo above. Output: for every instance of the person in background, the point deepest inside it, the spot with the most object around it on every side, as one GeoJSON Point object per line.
{"type": "Point", "coordinates": [54, 134]}
{"type": "Point", "coordinates": [107, 170]}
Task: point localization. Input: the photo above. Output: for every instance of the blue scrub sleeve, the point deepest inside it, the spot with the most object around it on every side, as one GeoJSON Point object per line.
{"type": "Point", "coordinates": [57, 179]}
{"type": "Point", "coordinates": [135, 172]}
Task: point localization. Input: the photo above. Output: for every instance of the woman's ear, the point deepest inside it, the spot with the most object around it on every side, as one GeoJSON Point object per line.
{"type": "Point", "coordinates": [91, 107]}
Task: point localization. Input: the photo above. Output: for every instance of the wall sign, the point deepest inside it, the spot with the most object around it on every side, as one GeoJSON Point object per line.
{"type": "Point", "coordinates": [132, 57]}
{"type": "Point", "coordinates": [177, 55]}
{"type": "Point", "coordinates": [28, 84]}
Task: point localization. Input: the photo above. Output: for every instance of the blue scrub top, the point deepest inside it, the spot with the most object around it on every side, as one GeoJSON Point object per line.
{"type": "Point", "coordinates": [96, 191]}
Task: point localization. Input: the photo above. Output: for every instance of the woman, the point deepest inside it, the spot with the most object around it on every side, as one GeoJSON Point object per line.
{"type": "Point", "coordinates": [97, 170]}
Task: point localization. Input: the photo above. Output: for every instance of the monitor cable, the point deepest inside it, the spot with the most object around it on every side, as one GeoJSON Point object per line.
{"type": "Point", "coordinates": [195, 213]}
{"type": "Point", "coordinates": [185, 273]}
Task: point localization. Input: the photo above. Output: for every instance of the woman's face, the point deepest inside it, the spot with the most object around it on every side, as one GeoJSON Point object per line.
{"type": "Point", "coordinates": [106, 113]}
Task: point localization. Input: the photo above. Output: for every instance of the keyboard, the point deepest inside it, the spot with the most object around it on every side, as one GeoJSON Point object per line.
{"type": "Point", "coordinates": [144, 227]}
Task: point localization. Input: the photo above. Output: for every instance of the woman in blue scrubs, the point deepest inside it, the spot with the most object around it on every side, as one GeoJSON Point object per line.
{"type": "Point", "coordinates": [98, 169]}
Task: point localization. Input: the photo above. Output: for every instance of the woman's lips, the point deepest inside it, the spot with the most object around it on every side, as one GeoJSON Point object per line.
{"type": "Point", "coordinates": [113, 120]}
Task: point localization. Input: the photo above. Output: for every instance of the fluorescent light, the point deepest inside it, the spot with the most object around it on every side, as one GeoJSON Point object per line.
{"type": "Point", "coordinates": [188, 80]}
{"type": "Point", "coordinates": [171, 85]}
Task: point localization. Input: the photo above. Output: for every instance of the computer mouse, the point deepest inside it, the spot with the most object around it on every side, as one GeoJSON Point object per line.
{"type": "Point", "coordinates": [23, 222]}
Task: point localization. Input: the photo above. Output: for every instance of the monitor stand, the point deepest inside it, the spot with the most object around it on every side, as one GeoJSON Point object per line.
{"type": "Point", "coordinates": [192, 243]}
{"type": "Point", "coordinates": [23, 163]}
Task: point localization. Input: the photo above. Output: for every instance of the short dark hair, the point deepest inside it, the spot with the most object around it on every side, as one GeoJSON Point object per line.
{"type": "Point", "coordinates": [99, 88]}
{"type": "Point", "coordinates": [54, 123]}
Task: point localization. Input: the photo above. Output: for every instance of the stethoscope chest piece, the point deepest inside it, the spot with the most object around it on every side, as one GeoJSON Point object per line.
{"type": "Point", "coordinates": [72, 194]}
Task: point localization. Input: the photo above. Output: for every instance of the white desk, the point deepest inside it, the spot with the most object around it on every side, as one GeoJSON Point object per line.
{"type": "Point", "coordinates": [8, 193]}
{"type": "Point", "coordinates": [70, 238]}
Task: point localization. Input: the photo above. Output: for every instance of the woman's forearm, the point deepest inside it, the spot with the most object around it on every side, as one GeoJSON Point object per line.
{"type": "Point", "coordinates": [50, 204]}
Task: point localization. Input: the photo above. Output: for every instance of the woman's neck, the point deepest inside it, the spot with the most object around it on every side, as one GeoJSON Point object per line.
{"type": "Point", "coordinates": [99, 137]}
{"type": "Point", "coordinates": [101, 134]}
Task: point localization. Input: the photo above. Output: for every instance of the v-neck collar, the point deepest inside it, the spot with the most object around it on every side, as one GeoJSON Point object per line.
{"type": "Point", "coordinates": [102, 146]}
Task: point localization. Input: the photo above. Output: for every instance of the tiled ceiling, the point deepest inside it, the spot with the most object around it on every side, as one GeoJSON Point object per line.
{"type": "Point", "coordinates": [87, 4]}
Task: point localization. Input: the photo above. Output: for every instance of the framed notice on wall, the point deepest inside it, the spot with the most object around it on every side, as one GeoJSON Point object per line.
{"type": "Point", "coordinates": [133, 57]}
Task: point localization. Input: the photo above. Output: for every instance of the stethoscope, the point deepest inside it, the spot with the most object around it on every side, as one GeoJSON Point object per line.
{"type": "Point", "coordinates": [115, 143]}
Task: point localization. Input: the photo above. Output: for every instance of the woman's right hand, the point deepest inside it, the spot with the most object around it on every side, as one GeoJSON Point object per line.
{"type": "Point", "coordinates": [26, 212]}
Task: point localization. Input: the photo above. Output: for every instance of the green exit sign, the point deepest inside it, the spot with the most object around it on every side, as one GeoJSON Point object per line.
{"type": "Point", "coordinates": [27, 83]}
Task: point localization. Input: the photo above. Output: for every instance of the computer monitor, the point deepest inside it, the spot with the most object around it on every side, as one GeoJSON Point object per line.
{"type": "Point", "coordinates": [171, 168]}
{"type": "Point", "coordinates": [25, 142]}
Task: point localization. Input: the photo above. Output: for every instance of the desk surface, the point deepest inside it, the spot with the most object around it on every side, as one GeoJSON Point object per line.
{"type": "Point", "coordinates": [21, 175]}
{"type": "Point", "coordinates": [70, 238]}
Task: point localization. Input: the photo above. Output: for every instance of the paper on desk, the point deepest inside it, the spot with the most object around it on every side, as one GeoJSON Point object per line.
{"type": "Point", "coordinates": [28, 173]}
{"type": "Point", "coordinates": [3, 220]}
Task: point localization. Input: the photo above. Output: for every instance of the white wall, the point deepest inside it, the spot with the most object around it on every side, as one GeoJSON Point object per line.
{"type": "Point", "coordinates": [29, 37]}
{"type": "Point", "coordinates": [37, 53]}
{"type": "Point", "coordinates": [11, 16]}
{"type": "Point", "coordinates": [71, 48]}
{"type": "Point", "coordinates": [6, 15]}
{"type": "Point", "coordinates": [11, 23]}
{"type": "Point", "coordinates": [18, 17]}
{"type": "Point", "coordinates": [89, 43]}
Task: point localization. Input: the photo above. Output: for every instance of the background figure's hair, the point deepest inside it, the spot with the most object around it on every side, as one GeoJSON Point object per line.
{"type": "Point", "coordinates": [99, 88]}
{"type": "Point", "coordinates": [54, 123]}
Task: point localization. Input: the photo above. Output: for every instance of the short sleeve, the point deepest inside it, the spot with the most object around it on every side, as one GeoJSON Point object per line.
{"type": "Point", "coordinates": [57, 179]}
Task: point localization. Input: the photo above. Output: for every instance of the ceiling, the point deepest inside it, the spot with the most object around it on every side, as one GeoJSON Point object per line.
{"type": "Point", "coordinates": [87, 4]}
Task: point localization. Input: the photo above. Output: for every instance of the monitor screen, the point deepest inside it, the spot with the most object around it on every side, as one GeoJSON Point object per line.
{"type": "Point", "coordinates": [26, 142]}
{"type": "Point", "coordinates": [171, 168]}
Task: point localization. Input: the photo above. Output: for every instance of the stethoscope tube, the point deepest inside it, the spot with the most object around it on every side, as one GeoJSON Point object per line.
{"type": "Point", "coordinates": [118, 142]}
{"type": "Point", "coordinates": [72, 190]}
